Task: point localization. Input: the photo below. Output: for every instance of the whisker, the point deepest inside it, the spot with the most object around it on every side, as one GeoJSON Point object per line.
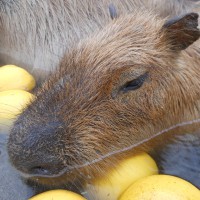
{"type": "Point", "coordinates": [11, 106]}
{"type": "Point", "coordinates": [4, 125]}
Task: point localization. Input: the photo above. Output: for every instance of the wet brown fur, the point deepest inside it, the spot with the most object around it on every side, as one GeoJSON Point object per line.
{"type": "Point", "coordinates": [81, 113]}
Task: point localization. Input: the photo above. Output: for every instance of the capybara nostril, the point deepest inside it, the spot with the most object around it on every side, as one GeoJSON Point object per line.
{"type": "Point", "coordinates": [38, 170]}
{"type": "Point", "coordinates": [46, 170]}
{"type": "Point", "coordinates": [37, 165]}
{"type": "Point", "coordinates": [35, 154]}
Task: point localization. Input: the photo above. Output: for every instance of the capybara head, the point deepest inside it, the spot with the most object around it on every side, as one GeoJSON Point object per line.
{"type": "Point", "coordinates": [111, 91]}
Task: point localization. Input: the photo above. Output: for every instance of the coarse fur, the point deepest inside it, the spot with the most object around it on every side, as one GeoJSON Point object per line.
{"type": "Point", "coordinates": [83, 117]}
{"type": "Point", "coordinates": [35, 34]}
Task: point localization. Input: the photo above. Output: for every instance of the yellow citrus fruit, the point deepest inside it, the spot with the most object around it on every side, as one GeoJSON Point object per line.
{"type": "Point", "coordinates": [13, 77]}
{"type": "Point", "coordinates": [12, 102]}
{"type": "Point", "coordinates": [121, 177]}
{"type": "Point", "coordinates": [161, 187]}
{"type": "Point", "coordinates": [58, 195]}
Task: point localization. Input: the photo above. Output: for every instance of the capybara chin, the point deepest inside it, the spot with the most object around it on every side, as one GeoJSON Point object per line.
{"type": "Point", "coordinates": [124, 77]}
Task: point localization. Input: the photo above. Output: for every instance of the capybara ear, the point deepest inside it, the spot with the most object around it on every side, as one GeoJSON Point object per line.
{"type": "Point", "coordinates": [182, 31]}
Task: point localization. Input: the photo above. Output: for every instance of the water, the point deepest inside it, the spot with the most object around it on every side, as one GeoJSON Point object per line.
{"type": "Point", "coordinates": [182, 158]}
{"type": "Point", "coordinates": [11, 185]}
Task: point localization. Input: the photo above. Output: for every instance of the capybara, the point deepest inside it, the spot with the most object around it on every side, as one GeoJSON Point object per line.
{"type": "Point", "coordinates": [119, 72]}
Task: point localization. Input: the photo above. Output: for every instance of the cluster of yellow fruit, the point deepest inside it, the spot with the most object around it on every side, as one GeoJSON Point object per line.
{"type": "Point", "coordinates": [135, 178]}
{"type": "Point", "coordinates": [15, 83]}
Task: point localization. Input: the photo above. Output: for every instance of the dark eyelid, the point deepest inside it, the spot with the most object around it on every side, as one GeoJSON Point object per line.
{"type": "Point", "coordinates": [139, 81]}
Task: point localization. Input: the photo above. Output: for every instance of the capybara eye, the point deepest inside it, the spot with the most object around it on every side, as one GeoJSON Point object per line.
{"type": "Point", "coordinates": [135, 84]}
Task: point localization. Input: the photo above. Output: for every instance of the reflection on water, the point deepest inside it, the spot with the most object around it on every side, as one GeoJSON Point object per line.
{"type": "Point", "coordinates": [11, 186]}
